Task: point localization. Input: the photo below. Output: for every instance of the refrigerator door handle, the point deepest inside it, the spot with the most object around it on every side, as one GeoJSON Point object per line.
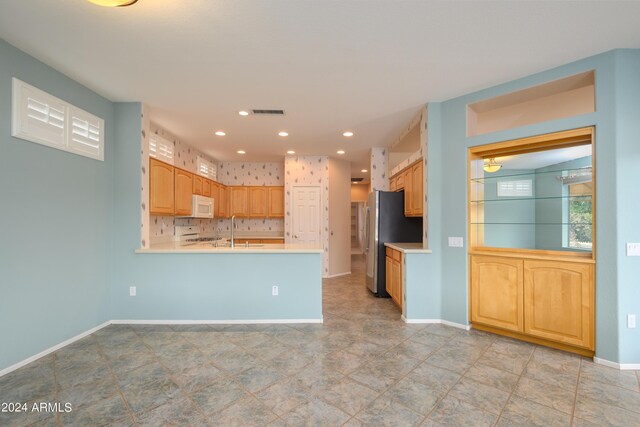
{"type": "Point", "coordinates": [367, 219]}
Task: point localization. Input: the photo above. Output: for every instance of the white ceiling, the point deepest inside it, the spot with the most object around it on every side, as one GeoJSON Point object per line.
{"type": "Point", "coordinates": [332, 65]}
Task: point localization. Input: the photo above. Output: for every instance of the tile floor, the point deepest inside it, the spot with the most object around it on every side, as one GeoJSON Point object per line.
{"type": "Point", "coordinates": [363, 366]}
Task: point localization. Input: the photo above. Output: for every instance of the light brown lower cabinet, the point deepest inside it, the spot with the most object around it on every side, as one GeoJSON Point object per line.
{"type": "Point", "coordinates": [240, 241]}
{"type": "Point", "coordinates": [549, 302]}
{"type": "Point", "coordinates": [393, 275]}
{"type": "Point", "coordinates": [559, 301]}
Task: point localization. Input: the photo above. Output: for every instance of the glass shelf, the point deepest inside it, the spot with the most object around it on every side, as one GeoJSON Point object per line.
{"type": "Point", "coordinates": [498, 176]}
{"type": "Point", "coordinates": [533, 199]}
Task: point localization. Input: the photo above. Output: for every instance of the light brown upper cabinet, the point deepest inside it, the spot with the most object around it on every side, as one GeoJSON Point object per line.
{"type": "Point", "coordinates": [238, 201]}
{"type": "Point", "coordinates": [417, 186]}
{"type": "Point", "coordinates": [408, 193]}
{"type": "Point", "coordinates": [183, 192]}
{"type": "Point", "coordinates": [276, 202]}
{"type": "Point", "coordinates": [531, 227]}
{"type": "Point", "coordinates": [222, 201]}
{"type": "Point", "coordinates": [214, 193]}
{"type": "Point", "coordinates": [161, 188]}
{"type": "Point", "coordinates": [258, 202]}
{"type": "Point", "coordinates": [197, 185]}
{"type": "Point", "coordinates": [206, 187]}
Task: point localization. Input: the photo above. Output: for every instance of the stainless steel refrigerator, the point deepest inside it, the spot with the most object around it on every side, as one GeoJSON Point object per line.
{"type": "Point", "coordinates": [385, 223]}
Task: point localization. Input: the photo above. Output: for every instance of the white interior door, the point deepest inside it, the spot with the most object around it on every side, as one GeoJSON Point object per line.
{"type": "Point", "coordinates": [307, 209]}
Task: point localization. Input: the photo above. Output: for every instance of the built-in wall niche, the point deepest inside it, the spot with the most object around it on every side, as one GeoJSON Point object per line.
{"type": "Point", "coordinates": [534, 194]}
{"type": "Point", "coordinates": [566, 97]}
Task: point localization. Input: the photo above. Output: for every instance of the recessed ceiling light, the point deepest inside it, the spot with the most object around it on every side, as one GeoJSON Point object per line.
{"type": "Point", "coordinates": [220, 133]}
{"type": "Point", "coordinates": [113, 3]}
{"type": "Point", "coordinates": [291, 152]}
{"type": "Point", "coordinates": [364, 170]}
{"type": "Point", "coordinates": [348, 134]}
{"type": "Point", "coordinates": [340, 151]}
{"type": "Point", "coordinates": [241, 152]}
{"type": "Point", "coordinates": [243, 113]}
{"type": "Point", "coordinates": [283, 133]}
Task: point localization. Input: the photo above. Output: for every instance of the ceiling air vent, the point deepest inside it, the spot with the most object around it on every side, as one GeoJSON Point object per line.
{"type": "Point", "coordinates": [269, 112]}
{"type": "Point", "coordinates": [356, 179]}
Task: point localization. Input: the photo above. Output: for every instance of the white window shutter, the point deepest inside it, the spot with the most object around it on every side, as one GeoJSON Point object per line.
{"type": "Point", "coordinates": [86, 133]}
{"type": "Point", "coordinates": [161, 148]}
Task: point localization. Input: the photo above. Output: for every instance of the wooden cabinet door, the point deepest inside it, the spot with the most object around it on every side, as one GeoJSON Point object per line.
{"type": "Point", "coordinates": [559, 301]}
{"type": "Point", "coordinates": [238, 201]}
{"type": "Point", "coordinates": [214, 193]}
{"type": "Point", "coordinates": [161, 189]}
{"type": "Point", "coordinates": [417, 195]}
{"type": "Point", "coordinates": [392, 183]}
{"type": "Point", "coordinates": [399, 181]}
{"type": "Point", "coordinates": [397, 281]}
{"type": "Point", "coordinates": [258, 202]}
{"type": "Point", "coordinates": [276, 202]}
{"type": "Point", "coordinates": [407, 191]}
{"type": "Point", "coordinates": [206, 187]}
{"type": "Point", "coordinates": [223, 206]}
{"type": "Point", "coordinates": [183, 192]}
{"type": "Point", "coordinates": [497, 292]}
{"type": "Point", "coordinates": [197, 185]}
{"type": "Point", "coordinates": [388, 276]}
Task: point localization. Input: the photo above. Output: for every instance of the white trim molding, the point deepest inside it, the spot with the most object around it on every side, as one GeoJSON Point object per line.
{"type": "Point", "coordinates": [331, 276]}
{"type": "Point", "coordinates": [440, 321]}
{"type": "Point", "coordinates": [214, 322]}
{"type": "Point", "coordinates": [620, 366]}
{"type": "Point", "coordinates": [52, 349]}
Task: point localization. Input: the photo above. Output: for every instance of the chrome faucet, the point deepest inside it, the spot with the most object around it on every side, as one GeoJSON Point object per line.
{"type": "Point", "coordinates": [234, 225]}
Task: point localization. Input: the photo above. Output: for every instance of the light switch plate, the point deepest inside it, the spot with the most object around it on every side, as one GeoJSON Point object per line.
{"type": "Point", "coordinates": [456, 242]}
{"type": "Point", "coordinates": [633, 249]}
{"type": "Point", "coordinates": [631, 321]}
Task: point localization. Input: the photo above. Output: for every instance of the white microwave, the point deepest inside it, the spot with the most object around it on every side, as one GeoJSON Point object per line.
{"type": "Point", "coordinates": [202, 207]}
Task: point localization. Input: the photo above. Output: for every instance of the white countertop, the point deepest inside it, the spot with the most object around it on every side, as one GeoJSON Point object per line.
{"type": "Point", "coordinates": [208, 248]}
{"type": "Point", "coordinates": [409, 248]}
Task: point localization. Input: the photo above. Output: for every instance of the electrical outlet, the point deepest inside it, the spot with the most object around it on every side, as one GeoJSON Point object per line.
{"type": "Point", "coordinates": [456, 242]}
{"type": "Point", "coordinates": [633, 249]}
{"type": "Point", "coordinates": [631, 321]}
{"type": "Point", "coordinates": [132, 291]}
{"type": "Point", "coordinates": [274, 290]}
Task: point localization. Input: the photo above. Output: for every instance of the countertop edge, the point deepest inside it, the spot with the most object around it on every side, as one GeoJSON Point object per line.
{"type": "Point", "coordinates": [227, 251]}
{"type": "Point", "coordinates": [408, 250]}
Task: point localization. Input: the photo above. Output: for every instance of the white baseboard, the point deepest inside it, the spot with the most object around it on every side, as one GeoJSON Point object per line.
{"type": "Point", "coordinates": [331, 276]}
{"type": "Point", "coordinates": [440, 321]}
{"type": "Point", "coordinates": [50, 350]}
{"type": "Point", "coordinates": [213, 322]}
{"type": "Point", "coordinates": [620, 366]}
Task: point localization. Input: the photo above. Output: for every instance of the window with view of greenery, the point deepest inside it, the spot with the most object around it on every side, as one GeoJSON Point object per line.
{"type": "Point", "coordinates": [580, 215]}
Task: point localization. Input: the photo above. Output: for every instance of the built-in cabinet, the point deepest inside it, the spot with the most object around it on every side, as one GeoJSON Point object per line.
{"type": "Point", "coordinates": [531, 249]}
{"type": "Point", "coordinates": [240, 241]}
{"type": "Point", "coordinates": [547, 299]}
{"type": "Point", "coordinates": [393, 275]}
{"type": "Point", "coordinates": [238, 201]}
{"type": "Point", "coordinates": [411, 181]}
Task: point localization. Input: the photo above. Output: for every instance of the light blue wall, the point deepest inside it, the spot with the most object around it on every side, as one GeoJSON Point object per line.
{"type": "Point", "coordinates": [55, 225]}
{"type": "Point", "coordinates": [191, 286]}
{"type": "Point", "coordinates": [616, 159]}
{"type": "Point", "coordinates": [627, 119]}
{"type": "Point", "coordinates": [423, 300]}
{"type": "Point", "coordinates": [509, 223]}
